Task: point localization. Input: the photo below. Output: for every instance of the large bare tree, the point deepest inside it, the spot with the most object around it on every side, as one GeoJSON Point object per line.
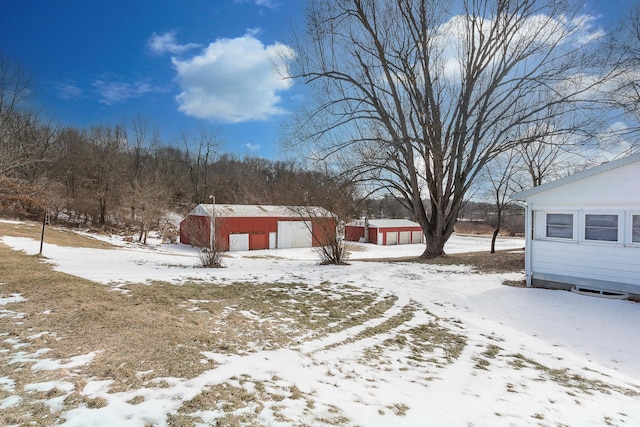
{"type": "Point", "coordinates": [419, 95]}
{"type": "Point", "coordinates": [625, 96]}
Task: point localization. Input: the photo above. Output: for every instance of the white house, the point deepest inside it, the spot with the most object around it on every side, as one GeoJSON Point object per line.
{"type": "Point", "coordinates": [582, 232]}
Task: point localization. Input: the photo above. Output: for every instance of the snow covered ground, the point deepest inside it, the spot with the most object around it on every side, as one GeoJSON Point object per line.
{"type": "Point", "coordinates": [529, 356]}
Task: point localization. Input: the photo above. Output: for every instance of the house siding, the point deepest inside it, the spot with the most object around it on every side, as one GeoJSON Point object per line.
{"type": "Point", "coordinates": [588, 262]}
{"type": "Point", "coordinates": [612, 266]}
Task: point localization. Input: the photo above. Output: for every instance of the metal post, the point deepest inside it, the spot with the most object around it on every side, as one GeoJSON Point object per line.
{"type": "Point", "coordinates": [212, 223]}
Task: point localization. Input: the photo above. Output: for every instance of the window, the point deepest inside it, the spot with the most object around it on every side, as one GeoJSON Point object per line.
{"type": "Point", "coordinates": [601, 227]}
{"type": "Point", "coordinates": [560, 225]}
{"type": "Point", "coordinates": [635, 228]}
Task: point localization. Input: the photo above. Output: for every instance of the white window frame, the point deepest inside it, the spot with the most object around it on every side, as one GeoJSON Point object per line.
{"type": "Point", "coordinates": [574, 232]}
{"type": "Point", "coordinates": [630, 228]}
{"type": "Point", "coordinates": [583, 228]}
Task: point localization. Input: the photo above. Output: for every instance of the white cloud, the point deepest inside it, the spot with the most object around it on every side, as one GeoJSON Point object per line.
{"type": "Point", "coordinates": [111, 92]}
{"type": "Point", "coordinates": [166, 43]}
{"type": "Point", "coordinates": [252, 147]}
{"type": "Point", "coordinates": [234, 80]}
{"type": "Point", "coordinates": [263, 3]}
{"type": "Point", "coordinates": [68, 89]}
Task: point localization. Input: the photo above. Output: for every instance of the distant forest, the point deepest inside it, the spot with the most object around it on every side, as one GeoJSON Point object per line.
{"type": "Point", "coordinates": [125, 177]}
{"type": "Point", "coordinates": [113, 176]}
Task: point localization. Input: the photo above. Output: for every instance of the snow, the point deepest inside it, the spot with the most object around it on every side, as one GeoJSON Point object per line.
{"type": "Point", "coordinates": [583, 338]}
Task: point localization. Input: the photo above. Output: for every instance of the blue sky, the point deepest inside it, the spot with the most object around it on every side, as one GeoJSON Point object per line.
{"type": "Point", "coordinates": [178, 64]}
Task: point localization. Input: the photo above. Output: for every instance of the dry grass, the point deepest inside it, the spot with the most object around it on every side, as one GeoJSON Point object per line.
{"type": "Point", "coordinates": [53, 235]}
{"type": "Point", "coordinates": [503, 261]}
{"type": "Point", "coordinates": [162, 330]}
{"type": "Point", "coordinates": [149, 331]}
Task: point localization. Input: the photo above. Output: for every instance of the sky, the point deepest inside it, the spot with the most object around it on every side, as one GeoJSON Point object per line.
{"type": "Point", "coordinates": [520, 344]}
{"type": "Point", "coordinates": [178, 65]}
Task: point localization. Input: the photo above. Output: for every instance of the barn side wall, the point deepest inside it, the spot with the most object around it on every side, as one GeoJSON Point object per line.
{"type": "Point", "coordinates": [390, 230]}
{"type": "Point", "coordinates": [195, 229]}
{"type": "Point", "coordinates": [353, 233]}
{"type": "Point", "coordinates": [323, 230]}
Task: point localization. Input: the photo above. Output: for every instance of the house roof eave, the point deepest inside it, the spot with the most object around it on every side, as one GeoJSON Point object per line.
{"type": "Point", "coordinates": [604, 167]}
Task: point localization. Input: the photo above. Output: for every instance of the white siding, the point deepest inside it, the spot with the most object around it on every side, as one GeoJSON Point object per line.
{"type": "Point", "coordinates": [588, 261]}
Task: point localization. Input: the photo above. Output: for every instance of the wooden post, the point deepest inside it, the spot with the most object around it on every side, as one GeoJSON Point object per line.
{"type": "Point", "coordinates": [44, 221]}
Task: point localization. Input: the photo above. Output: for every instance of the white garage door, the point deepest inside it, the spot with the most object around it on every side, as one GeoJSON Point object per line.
{"type": "Point", "coordinates": [392, 238]}
{"type": "Point", "coordinates": [416, 237]}
{"type": "Point", "coordinates": [238, 242]}
{"type": "Point", "coordinates": [294, 234]}
{"type": "Point", "coordinates": [405, 237]}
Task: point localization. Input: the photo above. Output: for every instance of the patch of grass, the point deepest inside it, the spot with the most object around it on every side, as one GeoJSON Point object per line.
{"type": "Point", "coordinates": [490, 353]}
{"type": "Point", "coordinates": [504, 261]}
{"type": "Point", "coordinates": [295, 393]}
{"type": "Point", "coordinates": [53, 235]}
{"type": "Point", "coordinates": [570, 380]}
{"type": "Point", "coordinates": [406, 314]}
{"type": "Point", "coordinates": [428, 337]}
{"type": "Point", "coordinates": [399, 409]}
{"type": "Point", "coordinates": [157, 330]}
{"type": "Point", "coordinates": [224, 397]}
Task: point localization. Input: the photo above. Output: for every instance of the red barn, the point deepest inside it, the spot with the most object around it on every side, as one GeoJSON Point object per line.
{"type": "Point", "coordinates": [384, 231]}
{"type": "Point", "coordinates": [248, 227]}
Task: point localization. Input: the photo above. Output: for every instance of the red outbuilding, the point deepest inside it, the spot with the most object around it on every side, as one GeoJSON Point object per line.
{"type": "Point", "coordinates": [249, 227]}
{"type": "Point", "coordinates": [384, 231]}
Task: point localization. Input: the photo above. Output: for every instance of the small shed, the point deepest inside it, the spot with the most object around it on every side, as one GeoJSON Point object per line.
{"type": "Point", "coordinates": [583, 231]}
{"type": "Point", "coordinates": [249, 227]}
{"type": "Point", "coordinates": [384, 231]}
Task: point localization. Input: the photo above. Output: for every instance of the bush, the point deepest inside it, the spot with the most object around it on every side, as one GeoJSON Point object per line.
{"type": "Point", "coordinates": [334, 252]}
{"type": "Point", "coordinates": [211, 258]}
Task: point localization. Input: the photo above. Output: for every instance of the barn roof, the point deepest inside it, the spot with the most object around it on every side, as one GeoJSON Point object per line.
{"type": "Point", "coordinates": [587, 173]}
{"type": "Point", "coordinates": [252, 211]}
{"type": "Point", "coordinates": [385, 223]}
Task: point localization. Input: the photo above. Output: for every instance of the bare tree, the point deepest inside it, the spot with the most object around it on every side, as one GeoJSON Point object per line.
{"type": "Point", "coordinates": [15, 89]}
{"type": "Point", "coordinates": [16, 121]}
{"type": "Point", "coordinates": [549, 155]}
{"type": "Point", "coordinates": [501, 173]}
{"type": "Point", "coordinates": [149, 198]}
{"type": "Point", "coordinates": [200, 151]}
{"type": "Point", "coordinates": [420, 95]}
{"type": "Point", "coordinates": [327, 199]}
{"type": "Point", "coordinates": [106, 167]}
{"type": "Point", "coordinates": [625, 95]}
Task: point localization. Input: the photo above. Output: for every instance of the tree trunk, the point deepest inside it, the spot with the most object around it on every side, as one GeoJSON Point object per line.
{"type": "Point", "coordinates": [103, 212]}
{"type": "Point", "coordinates": [498, 225]}
{"type": "Point", "coordinates": [435, 246]}
{"type": "Point", "coordinates": [493, 239]}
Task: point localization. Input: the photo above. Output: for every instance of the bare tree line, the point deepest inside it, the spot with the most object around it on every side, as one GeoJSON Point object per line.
{"type": "Point", "coordinates": [125, 176]}
{"type": "Point", "coordinates": [428, 102]}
